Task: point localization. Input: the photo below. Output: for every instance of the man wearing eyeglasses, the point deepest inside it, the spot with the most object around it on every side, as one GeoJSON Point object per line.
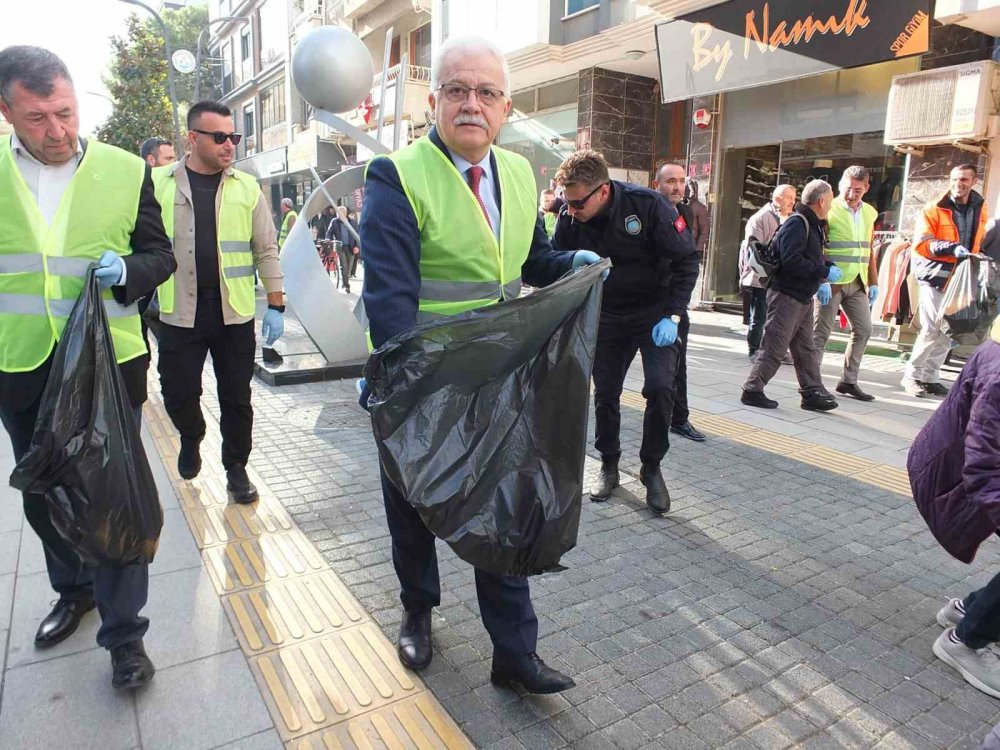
{"type": "Point", "coordinates": [654, 269]}
{"type": "Point", "coordinates": [221, 228]}
{"type": "Point", "coordinates": [450, 224]}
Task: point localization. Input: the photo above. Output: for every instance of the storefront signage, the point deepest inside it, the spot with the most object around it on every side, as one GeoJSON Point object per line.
{"type": "Point", "coordinates": [744, 43]}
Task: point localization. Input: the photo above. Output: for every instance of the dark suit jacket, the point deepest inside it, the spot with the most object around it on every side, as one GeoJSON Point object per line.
{"type": "Point", "coordinates": [339, 231]}
{"type": "Point", "coordinates": [150, 264]}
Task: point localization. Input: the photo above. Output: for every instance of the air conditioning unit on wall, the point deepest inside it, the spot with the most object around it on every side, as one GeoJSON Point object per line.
{"type": "Point", "coordinates": [944, 106]}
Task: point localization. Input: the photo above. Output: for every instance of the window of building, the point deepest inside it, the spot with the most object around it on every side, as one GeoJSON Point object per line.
{"type": "Point", "coordinates": [249, 129]}
{"type": "Point", "coordinates": [578, 6]}
{"type": "Point", "coordinates": [273, 31]}
{"type": "Point", "coordinates": [246, 52]}
{"type": "Point", "coordinates": [420, 46]}
{"type": "Point", "coordinates": [272, 106]}
{"type": "Point", "coordinates": [227, 67]}
{"type": "Point", "coordinates": [394, 53]}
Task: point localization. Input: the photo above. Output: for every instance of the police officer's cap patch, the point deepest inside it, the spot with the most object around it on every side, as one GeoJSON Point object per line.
{"type": "Point", "coordinates": [633, 225]}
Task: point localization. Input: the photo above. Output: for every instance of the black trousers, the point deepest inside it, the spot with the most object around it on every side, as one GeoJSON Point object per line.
{"type": "Point", "coordinates": [504, 601]}
{"type": "Point", "coordinates": [619, 338]}
{"type": "Point", "coordinates": [681, 413]}
{"type": "Point", "coordinates": [120, 591]}
{"type": "Point", "coordinates": [182, 360]}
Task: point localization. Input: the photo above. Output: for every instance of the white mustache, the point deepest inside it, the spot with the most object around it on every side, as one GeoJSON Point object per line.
{"type": "Point", "coordinates": [472, 120]}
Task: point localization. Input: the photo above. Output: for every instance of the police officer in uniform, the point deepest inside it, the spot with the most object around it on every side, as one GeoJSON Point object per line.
{"type": "Point", "coordinates": [66, 204]}
{"type": "Point", "coordinates": [654, 270]}
{"type": "Point", "coordinates": [431, 229]}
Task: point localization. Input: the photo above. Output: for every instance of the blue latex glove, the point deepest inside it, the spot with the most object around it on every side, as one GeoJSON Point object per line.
{"type": "Point", "coordinates": [824, 294]}
{"type": "Point", "coordinates": [587, 258]}
{"type": "Point", "coordinates": [834, 275]}
{"type": "Point", "coordinates": [364, 393]}
{"type": "Point", "coordinates": [109, 269]}
{"type": "Point", "coordinates": [961, 252]}
{"type": "Point", "coordinates": [665, 332]}
{"type": "Point", "coordinates": [272, 326]}
{"type": "Point", "coordinates": [872, 294]}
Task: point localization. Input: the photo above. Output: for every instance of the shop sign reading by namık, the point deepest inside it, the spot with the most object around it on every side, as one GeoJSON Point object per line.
{"type": "Point", "coordinates": [744, 43]}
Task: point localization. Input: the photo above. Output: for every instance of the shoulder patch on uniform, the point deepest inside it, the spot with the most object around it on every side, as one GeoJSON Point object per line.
{"type": "Point", "coordinates": [632, 224]}
{"type": "Point", "coordinates": [680, 225]}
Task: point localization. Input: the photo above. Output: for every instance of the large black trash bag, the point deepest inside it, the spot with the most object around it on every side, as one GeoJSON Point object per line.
{"type": "Point", "coordinates": [481, 423]}
{"type": "Point", "coordinates": [86, 457]}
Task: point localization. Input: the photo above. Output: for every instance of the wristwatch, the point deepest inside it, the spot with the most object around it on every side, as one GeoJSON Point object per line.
{"type": "Point", "coordinates": [279, 308]}
{"type": "Point", "coordinates": [676, 319]}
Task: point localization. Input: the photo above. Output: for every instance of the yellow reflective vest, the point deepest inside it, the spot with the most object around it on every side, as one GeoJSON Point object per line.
{"type": "Point", "coordinates": [850, 241]}
{"type": "Point", "coordinates": [234, 231]}
{"type": "Point", "coordinates": [43, 266]}
{"type": "Point", "coordinates": [286, 227]}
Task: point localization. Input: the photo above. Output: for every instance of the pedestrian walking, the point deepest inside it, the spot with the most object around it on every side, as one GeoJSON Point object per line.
{"type": "Point", "coordinates": [67, 203]}
{"type": "Point", "coordinates": [462, 235]}
{"type": "Point", "coordinates": [699, 223]}
{"type": "Point", "coordinates": [222, 233]}
{"type": "Point", "coordinates": [289, 217]}
{"type": "Point", "coordinates": [670, 183]}
{"type": "Point", "coordinates": [948, 230]}
{"type": "Point", "coordinates": [654, 270]}
{"type": "Point", "coordinates": [851, 232]}
{"type": "Point", "coordinates": [344, 246]}
{"type": "Point", "coordinates": [802, 272]}
{"type": "Point", "coordinates": [955, 477]}
{"type": "Point", "coordinates": [762, 226]}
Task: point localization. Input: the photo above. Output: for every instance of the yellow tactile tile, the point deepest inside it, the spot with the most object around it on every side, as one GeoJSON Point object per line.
{"type": "Point", "coordinates": [279, 614]}
{"type": "Point", "coordinates": [845, 463]}
{"type": "Point", "coordinates": [417, 723]}
{"type": "Point", "coordinates": [887, 478]}
{"type": "Point", "coordinates": [222, 524]}
{"type": "Point", "coordinates": [772, 442]}
{"type": "Point", "coordinates": [253, 562]}
{"type": "Point", "coordinates": [324, 681]}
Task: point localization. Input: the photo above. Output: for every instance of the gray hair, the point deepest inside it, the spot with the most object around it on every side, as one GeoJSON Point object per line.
{"type": "Point", "coordinates": [287, 202]}
{"type": "Point", "coordinates": [468, 45]}
{"type": "Point", "coordinates": [35, 68]}
{"type": "Point", "coordinates": [779, 191]}
{"type": "Point", "coordinates": [855, 172]}
{"type": "Point", "coordinates": [814, 191]}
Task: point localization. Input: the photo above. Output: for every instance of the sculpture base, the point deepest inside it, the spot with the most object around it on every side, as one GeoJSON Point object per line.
{"type": "Point", "coordinates": [306, 368]}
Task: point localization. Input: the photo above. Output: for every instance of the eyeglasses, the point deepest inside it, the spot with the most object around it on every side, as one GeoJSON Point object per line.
{"type": "Point", "coordinates": [456, 93]}
{"type": "Point", "coordinates": [219, 137]}
{"type": "Point", "coordinates": [582, 202]}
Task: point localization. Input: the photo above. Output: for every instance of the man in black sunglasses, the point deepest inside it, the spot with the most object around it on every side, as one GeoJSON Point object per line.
{"type": "Point", "coordinates": [654, 270]}
{"type": "Point", "coordinates": [221, 227]}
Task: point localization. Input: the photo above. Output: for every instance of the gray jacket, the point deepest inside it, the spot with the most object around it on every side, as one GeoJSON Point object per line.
{"type": "Point", "coordinates": [762, 226]}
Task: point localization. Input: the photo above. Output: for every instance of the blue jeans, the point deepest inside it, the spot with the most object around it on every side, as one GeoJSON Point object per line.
{"type": "Point", "coordinates": [981, 625]}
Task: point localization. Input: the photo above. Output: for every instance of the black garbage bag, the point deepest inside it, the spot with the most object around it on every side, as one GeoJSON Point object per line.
{"type": "Point", "coordinates": [481, 423]}
{"type": "Point", "coordinates": [86, 457]}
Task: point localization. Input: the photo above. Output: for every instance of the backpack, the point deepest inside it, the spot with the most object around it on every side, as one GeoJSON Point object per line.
{"type": "Point", "coordinates": [763, 258]}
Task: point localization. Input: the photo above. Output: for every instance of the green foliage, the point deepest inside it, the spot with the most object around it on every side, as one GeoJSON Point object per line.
{"type": "Point", "coordinates": [185, 25]}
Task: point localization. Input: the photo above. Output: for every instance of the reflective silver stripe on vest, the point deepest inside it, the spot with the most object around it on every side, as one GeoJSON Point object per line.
{"type": "Point", "coordinates": [22, 304]}
{"type": "Point", "coordinates": [512, 290]}
{"type": "Point", "coordinates": [21, 263]}
{"type": "Point", "coordinates": [235, 246]}
{"type": "Point", "coordinates": [63, 266]}
{"type": "Point", "coordinates": [61, 308]}
{"type": "Point", "coordinates": [848, 258]}
{"type": "Point", "coordinates": [237, 272]}
{"type": "Point", "coordinates": [841, 244]}
{"type": "Point", "coordinates": [457, 291]}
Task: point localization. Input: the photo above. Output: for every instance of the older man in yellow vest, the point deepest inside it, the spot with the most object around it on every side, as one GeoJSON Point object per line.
{"type": "Point", "coordinates": [851, 227]}
{"type": "Point", "coordinates": [66, 204]}
{"type": "Point", "coordinates": [450, 224]}
{"type": "Point", "coordinates": [221, 228]}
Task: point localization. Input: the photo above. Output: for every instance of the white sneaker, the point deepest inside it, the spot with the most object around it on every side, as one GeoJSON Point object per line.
{"type": "Point", "coordinates": [981, 668]}
{"type": "Point", "coordinates": [951, 614]}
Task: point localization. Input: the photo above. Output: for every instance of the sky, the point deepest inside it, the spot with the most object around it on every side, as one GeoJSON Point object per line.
{"type": "Point", "coordinates": [79, 32]}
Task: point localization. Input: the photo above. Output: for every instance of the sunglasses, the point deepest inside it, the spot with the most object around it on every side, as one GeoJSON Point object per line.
{"type": "Point", "coordinates": [219, 137]}
{"type": "Point", "coordinates": [582, 202]}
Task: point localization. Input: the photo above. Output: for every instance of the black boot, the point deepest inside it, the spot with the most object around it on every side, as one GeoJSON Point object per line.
{"type": "Point", "coordinates": [606, 481]}
{"type": "Point", "coordinates": [240, 486]}
{"type": "Point", "coordinates": [130, 667]}
{"type": "Point", "coordinates": [531, 673]}
{"type": "Point", "coordinates": [657, 495]}
{"type": "Point", "coordinates": [414, 645]}
{"type": "Point", "coordinates": [189, 458]}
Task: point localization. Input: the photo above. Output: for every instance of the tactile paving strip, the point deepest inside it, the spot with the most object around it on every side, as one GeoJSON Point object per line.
{"type": "Point", "coordinates": [329, 677]}
{"type": "Point", "coordinates": [836, 462]}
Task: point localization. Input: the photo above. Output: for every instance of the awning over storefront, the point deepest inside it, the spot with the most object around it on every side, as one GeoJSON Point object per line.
{"type": "Point", "coordinates": [745, 43]}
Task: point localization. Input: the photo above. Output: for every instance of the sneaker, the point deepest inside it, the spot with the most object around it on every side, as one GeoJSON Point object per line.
{"type": "Point", "coordinates": [951, 614]}
{"type": "Point", "coordinates": [980, 668]}
{"type": "Point", "coordinates": [919, 390]}
{"type": "Point", "coordinates": [935, 389]}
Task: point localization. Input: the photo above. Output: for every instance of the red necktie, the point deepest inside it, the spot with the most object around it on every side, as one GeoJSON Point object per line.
{"type": "Point", "coordinates": [475, 175]}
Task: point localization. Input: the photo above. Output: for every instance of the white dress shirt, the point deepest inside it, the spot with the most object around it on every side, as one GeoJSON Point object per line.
{"type": "Point", "coordinates": [486, 191]}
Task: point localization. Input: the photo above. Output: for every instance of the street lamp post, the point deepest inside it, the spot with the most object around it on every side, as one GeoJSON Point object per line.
{"type": "Point", "coordinates": [170, 63]}
{"type": "Point", "coordinates": [201, 42]}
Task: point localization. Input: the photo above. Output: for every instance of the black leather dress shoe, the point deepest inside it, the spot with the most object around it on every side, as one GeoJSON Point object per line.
{"type": "Point", "coordinates": [818, 402]}
{"type": "Point", "coordinates": [189, 458]}
{"type": "Point", "coordinates": [852, 390]}
{"type": "Point", "coordinates": [414, 645]}
{"type": "Point", "coordinates": [130, 667]}
{"type": "Point", "coordinates": [688, 430]}
{"type": "Point", "coordinates": [531, 673]}
{"type": "Point", "coordinates": [239, 486]}
{"type": "Point", "coordinates": [62, 621]}
{"type": "Point", "coordinates": [657, 495]}
{"type": "Point", "coordinates": [758, 399]}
